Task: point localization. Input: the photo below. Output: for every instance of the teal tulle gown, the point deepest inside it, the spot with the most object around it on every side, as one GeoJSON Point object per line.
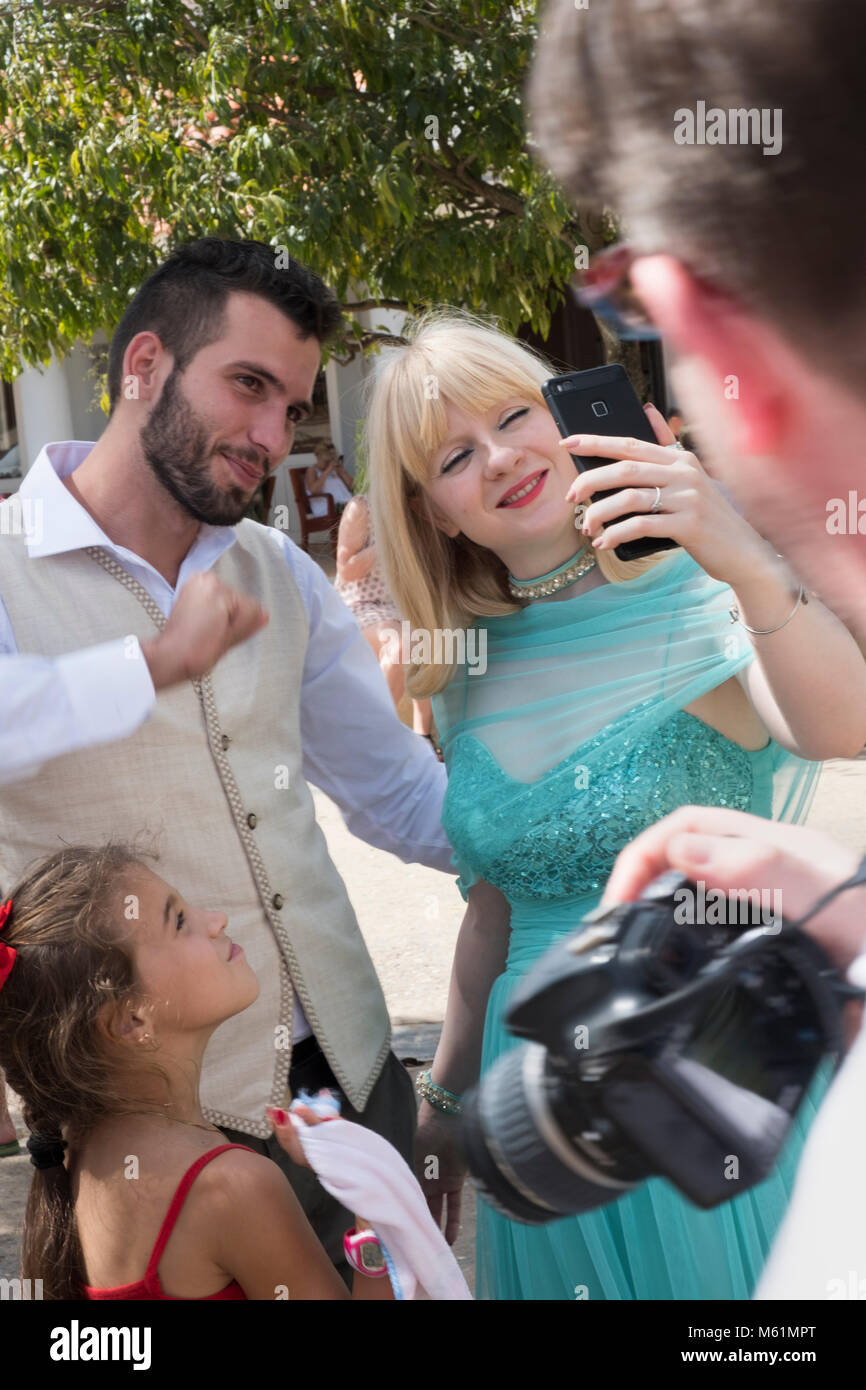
{"type": "Point", "coordinates": [571, 742]}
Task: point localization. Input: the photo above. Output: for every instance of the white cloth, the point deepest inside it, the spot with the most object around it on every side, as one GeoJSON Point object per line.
{"type": "Point", "coordinates": [820, 1249]}
{"type": "Point", "coordinates": [379, 773]}
{"type": "Point", "coordinates": [367, 1175]}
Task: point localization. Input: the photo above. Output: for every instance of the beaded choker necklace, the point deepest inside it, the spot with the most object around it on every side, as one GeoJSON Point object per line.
{"type": "Point", "coordinates": [557, 579]}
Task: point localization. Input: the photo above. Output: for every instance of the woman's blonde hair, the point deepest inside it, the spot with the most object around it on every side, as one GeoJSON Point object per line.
{"type": "Point", "coordinates": [439, 582]}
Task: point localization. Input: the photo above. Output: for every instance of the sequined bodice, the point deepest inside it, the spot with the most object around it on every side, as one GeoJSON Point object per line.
{"type": "Point", "coordinates": [559, 839]}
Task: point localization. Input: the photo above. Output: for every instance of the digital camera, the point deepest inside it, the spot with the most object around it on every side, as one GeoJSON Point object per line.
{"type": "Point", "coordinates": [657, 1048]}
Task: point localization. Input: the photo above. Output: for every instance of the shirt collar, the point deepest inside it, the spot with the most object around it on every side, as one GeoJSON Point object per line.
{"type": "Point", "coordinates": [60, 523]}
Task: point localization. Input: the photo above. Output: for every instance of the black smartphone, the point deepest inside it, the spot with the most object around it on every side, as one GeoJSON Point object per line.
{"type": "Point", "coordinates": [603, 401]}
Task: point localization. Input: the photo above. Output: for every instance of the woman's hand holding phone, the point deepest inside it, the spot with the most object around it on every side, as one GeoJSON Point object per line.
{"type": "Point", "coordinates": [691, 510]}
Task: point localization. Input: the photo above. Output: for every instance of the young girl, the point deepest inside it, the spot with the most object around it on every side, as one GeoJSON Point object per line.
{"type": "Point", "coordinates": [111, 985]}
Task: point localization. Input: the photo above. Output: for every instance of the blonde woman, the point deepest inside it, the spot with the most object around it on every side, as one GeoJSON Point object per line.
{"type": "Point", "coordinates": [611, 694]}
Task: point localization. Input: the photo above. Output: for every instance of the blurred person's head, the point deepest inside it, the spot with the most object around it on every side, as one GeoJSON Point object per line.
{"type": "Point", "coordinates": [751, 258]}
{"type": "Point", "coordinates": [213, 364]}
{"type": "Point", "coordinates": [468, 479]}
{"type": "Point", "coordinates": [325, 452]}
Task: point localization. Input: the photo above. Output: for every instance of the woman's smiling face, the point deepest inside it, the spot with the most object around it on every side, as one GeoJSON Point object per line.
{"type": "Point", "coordinates": [500, 478]}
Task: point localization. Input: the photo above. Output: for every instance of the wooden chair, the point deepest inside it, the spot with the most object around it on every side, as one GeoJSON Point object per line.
{"type": "Point", "coordinates": [329, 522]}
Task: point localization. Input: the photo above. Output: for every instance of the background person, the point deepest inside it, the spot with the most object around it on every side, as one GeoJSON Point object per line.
{"type": "Point", "coordinates": [362, 587]}
{"type": "Point", "coordinates": [327, 474]}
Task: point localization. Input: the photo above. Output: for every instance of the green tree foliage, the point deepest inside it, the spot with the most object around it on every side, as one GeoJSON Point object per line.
{"type": "Point", "coordinates": [381, 143]}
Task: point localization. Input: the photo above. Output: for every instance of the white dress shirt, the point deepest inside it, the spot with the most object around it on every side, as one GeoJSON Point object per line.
{"type": "Point", "coordinates": [383, 777]}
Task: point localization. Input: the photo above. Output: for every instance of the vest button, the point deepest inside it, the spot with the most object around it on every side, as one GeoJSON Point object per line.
{"type": "Point", "coordinates": [252, 820]}
{"type": "Point", "coordinates": [225, 741]}
{"type": "Point", "coordinates": [277, 900]}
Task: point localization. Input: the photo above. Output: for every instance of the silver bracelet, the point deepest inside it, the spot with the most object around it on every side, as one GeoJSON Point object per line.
{"type": "Point", "coordinates": [437, 1096]}
{"type": "Point", "coordinates": [765, 631]}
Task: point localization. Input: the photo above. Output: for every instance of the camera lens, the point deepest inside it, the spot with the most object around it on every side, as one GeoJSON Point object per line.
{"type": "Point", "coordinates": [520, 1137]}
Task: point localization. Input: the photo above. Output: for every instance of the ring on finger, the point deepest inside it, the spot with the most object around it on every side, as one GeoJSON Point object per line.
{"type": "Point", "coordinates": [657, 501]}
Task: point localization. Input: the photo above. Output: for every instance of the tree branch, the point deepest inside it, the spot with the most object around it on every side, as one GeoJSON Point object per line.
{"type": "Point", "coordinates": [353, 349]}
{"type": "Point", "coordinates": [375, 304]}
{"type": "Point", "coordinates": [491, 193]}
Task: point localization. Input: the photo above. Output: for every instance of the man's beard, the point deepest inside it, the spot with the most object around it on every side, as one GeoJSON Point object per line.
{"type": "Point", "coordinates": [175, 444]}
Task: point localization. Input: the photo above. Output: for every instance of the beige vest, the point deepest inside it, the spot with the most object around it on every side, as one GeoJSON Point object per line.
{"type": "Point", "coordinates": [214, 776]}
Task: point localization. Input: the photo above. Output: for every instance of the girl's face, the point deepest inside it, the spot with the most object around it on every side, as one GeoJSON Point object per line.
{"type": "Point", "coordinates": [192, 972]}
{"type": "Point", "coordinates": [501, 479]}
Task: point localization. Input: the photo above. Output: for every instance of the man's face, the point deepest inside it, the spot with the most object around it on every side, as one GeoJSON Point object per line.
{"type": "Point", "coordinates": [226, 422]}
{"type": "Point", "coordinates": [784, 438]}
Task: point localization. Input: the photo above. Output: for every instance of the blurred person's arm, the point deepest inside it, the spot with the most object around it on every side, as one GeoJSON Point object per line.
{"type": "Point", "coordinates": [354, 557]}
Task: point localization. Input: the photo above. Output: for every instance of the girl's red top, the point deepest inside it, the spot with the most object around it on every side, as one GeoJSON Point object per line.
{"type": "Point", "coordinates": [149, 1287]}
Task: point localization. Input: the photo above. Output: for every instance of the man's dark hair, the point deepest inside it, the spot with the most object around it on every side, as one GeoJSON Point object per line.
{"type": "Point", "coordinates": [184, 301]}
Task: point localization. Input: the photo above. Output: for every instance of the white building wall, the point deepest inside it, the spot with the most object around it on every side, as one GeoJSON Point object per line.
{"type": "Point", "coordinates": [347, 385]}
{"type": "Point", "coordinates": [56, 402]}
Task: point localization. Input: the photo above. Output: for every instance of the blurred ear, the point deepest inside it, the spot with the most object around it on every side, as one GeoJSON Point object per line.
{"type": "Point", "coordinates": [753, 370]}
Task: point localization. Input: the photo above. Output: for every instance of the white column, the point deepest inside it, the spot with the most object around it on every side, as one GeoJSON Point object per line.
{"type": "Point", "coordinates": [43, 409]}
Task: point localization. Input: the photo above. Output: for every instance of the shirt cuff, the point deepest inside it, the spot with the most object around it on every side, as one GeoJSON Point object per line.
{"type": "Point", "coordinates": [109, 689]}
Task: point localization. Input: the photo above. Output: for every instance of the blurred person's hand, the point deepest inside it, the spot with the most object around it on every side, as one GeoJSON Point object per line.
{"type": "Point", "coordinates": [207, 619]}
{"type": "Point", "coordinates": [733, 850]}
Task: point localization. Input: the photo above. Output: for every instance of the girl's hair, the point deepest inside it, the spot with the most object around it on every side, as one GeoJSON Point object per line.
{"type": "Point", "coordinates": [439, 582]}
{"type": "Point", "coordinates": [57, 1044]}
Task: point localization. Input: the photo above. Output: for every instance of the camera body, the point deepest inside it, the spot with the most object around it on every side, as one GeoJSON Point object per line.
{"type": "Point", "coordinates": [657, 1047]}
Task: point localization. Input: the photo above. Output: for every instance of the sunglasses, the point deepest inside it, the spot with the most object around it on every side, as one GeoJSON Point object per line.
{"type": "Point", "coordinates": [605, 288]}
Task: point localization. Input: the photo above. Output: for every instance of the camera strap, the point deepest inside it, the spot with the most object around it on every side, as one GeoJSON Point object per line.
{"type": "Point", "coordinates": [857, 880]}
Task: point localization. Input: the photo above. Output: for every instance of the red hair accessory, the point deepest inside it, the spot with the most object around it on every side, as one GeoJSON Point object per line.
{"type": "Point", "coordinates": [8, 954]}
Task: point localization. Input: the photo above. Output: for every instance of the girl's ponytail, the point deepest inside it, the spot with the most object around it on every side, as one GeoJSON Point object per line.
{"type": "Point", "coordinates": [50, 1249]}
